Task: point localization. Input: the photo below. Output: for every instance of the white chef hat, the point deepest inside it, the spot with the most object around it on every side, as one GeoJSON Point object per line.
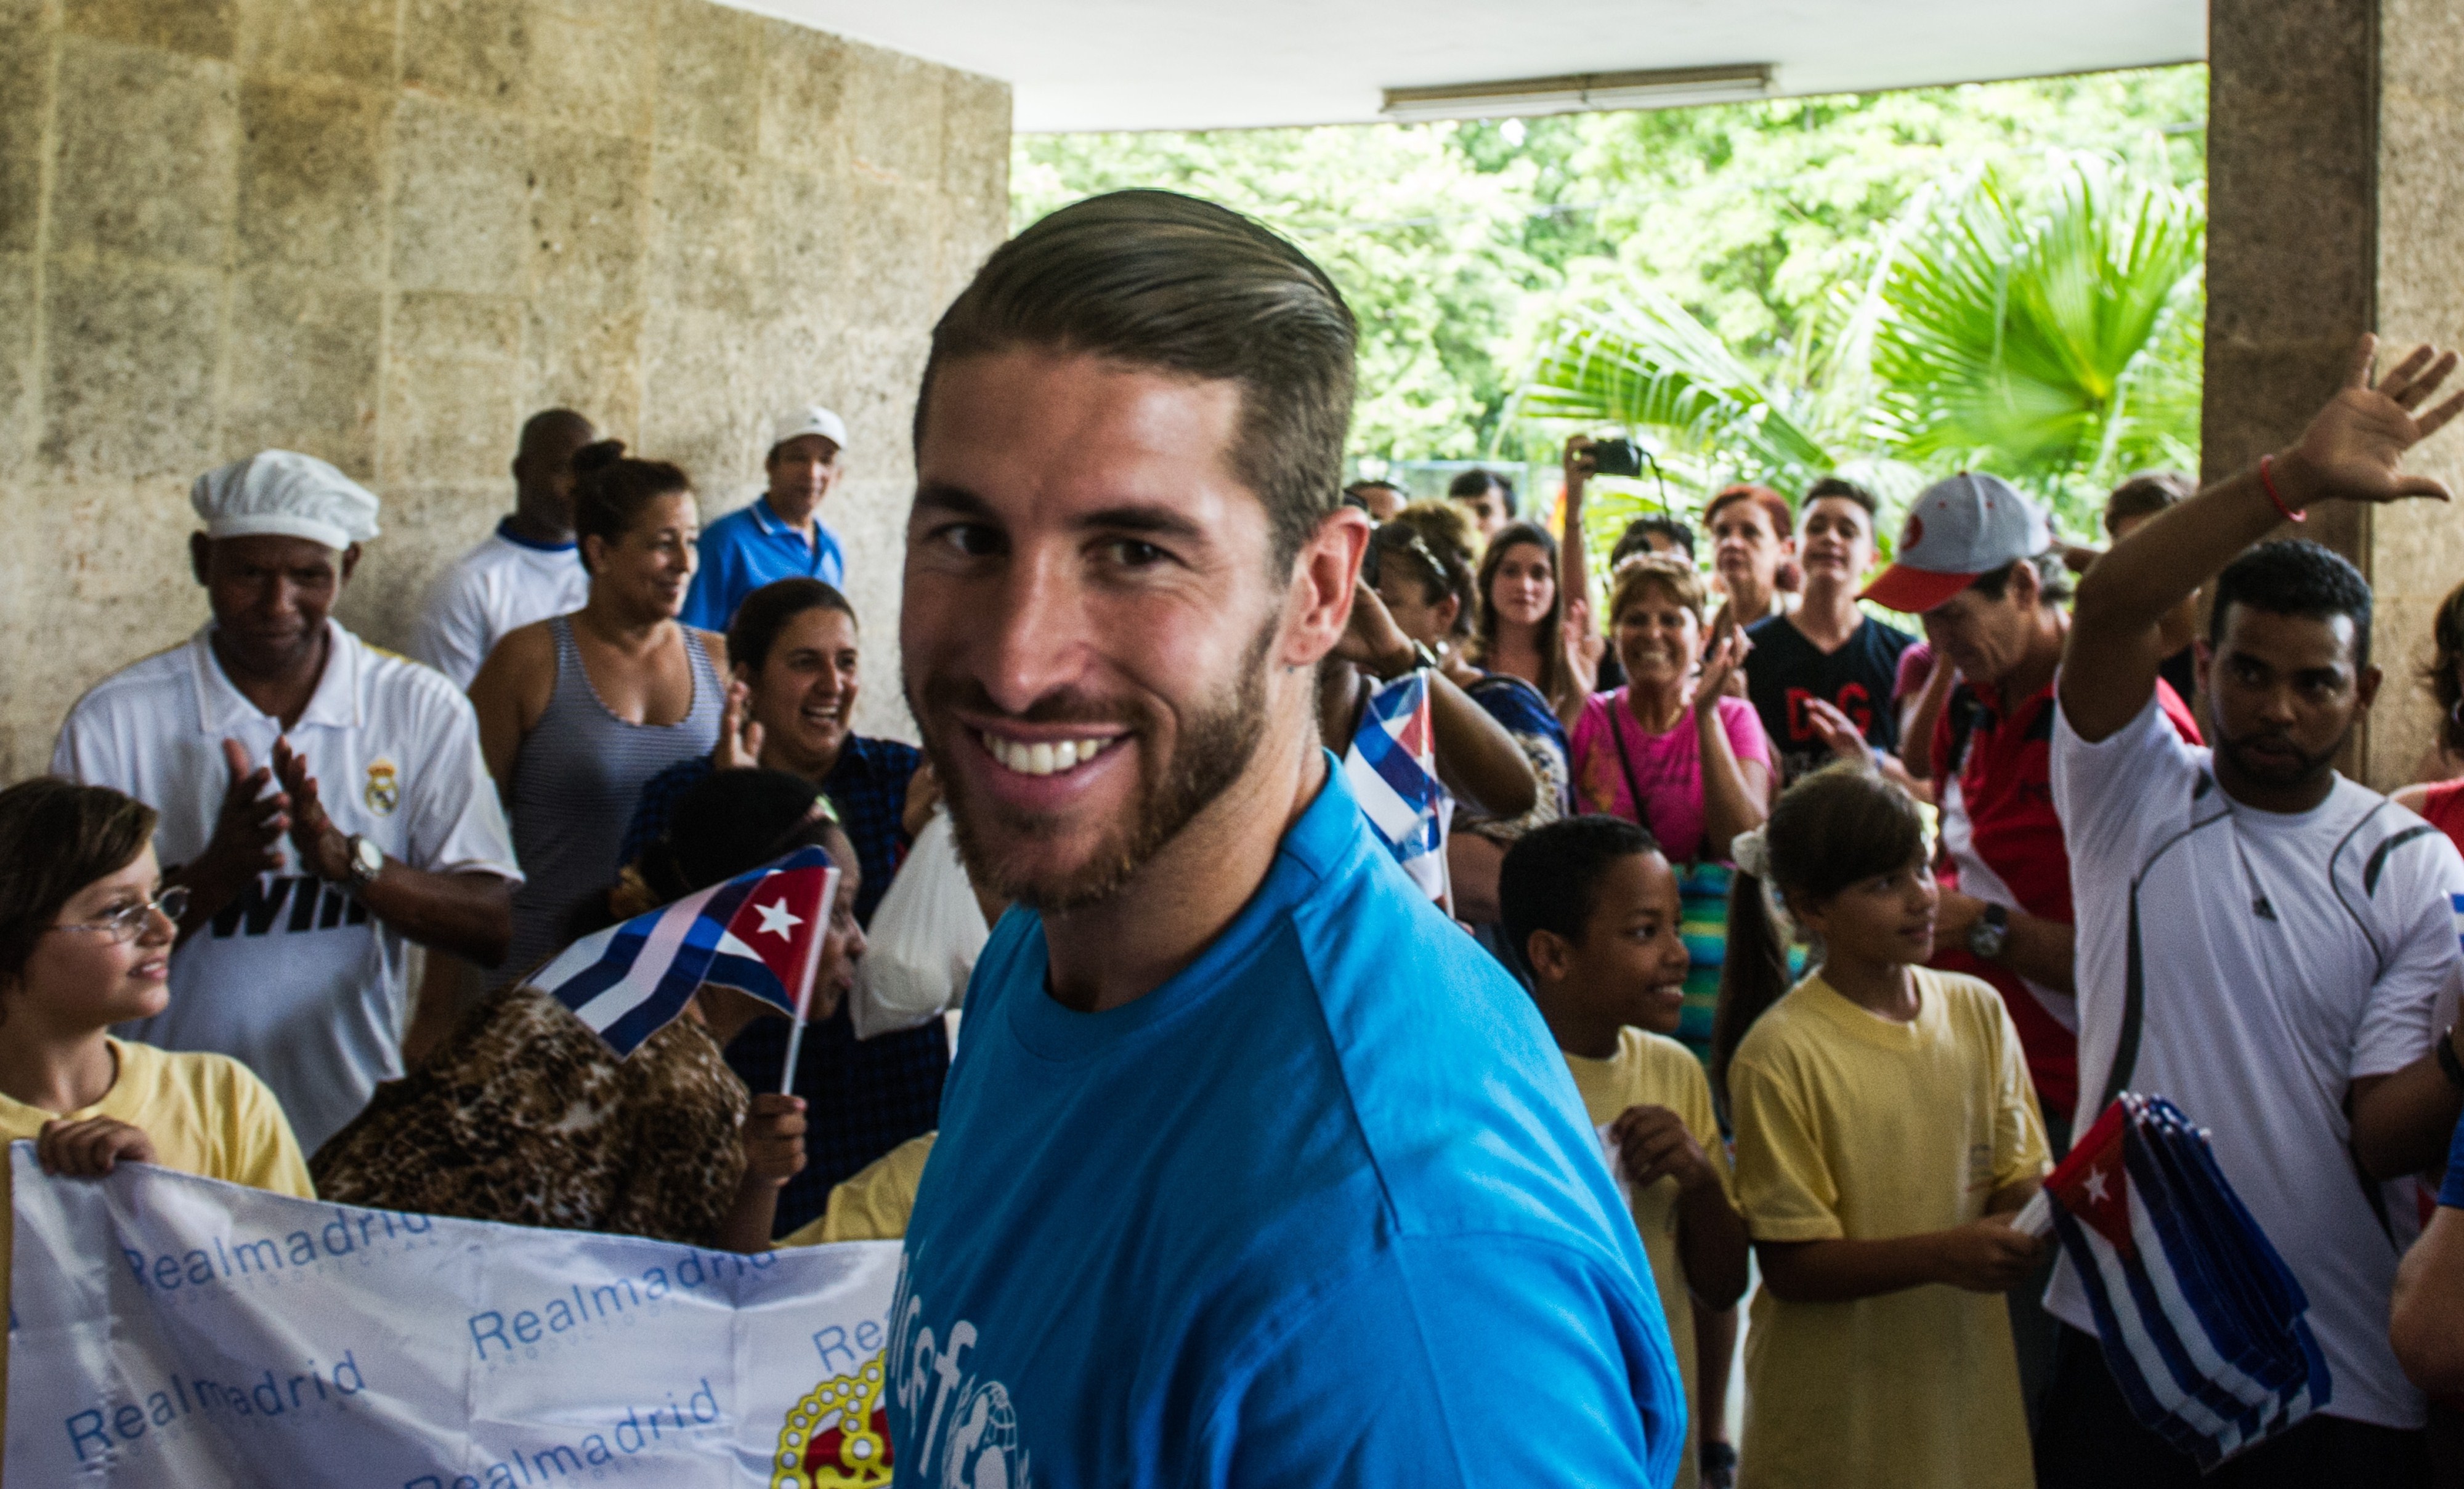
{"type": "Point", "coordinates": [283, 492]}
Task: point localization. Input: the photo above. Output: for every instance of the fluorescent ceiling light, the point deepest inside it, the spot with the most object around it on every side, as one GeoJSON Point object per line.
{"type": "Point", "coordinates": [1657, 88]}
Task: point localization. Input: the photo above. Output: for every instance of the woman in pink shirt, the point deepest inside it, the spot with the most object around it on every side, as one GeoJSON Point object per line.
{"type": "Point", "coordinates": [1670, 750]}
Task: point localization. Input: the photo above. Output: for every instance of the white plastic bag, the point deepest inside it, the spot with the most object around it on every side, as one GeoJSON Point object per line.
{"type": "Point", "coordinates": [923, 940]}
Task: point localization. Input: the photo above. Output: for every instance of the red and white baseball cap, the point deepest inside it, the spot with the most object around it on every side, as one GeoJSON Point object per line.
{"type": "Point", "coordinates": [1957, 531]}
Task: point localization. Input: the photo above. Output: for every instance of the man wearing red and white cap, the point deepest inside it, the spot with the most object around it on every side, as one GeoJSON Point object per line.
{"type": "Point", "coordinates": [780, 533]}
{"type": "Point", "coordinates": [1979, 564]}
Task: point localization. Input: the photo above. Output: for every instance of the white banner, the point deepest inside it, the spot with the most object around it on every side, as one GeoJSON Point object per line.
{"type": "Point", "coordinates": [172, 1332]}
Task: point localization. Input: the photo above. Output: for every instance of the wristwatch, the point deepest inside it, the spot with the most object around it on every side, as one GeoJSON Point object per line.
{"type": "Point", "coordinates": [1423, 660]}
{"type": "Point", "coordinates": [1989, 935]}
{"type": "Point", "coordinates": [368, 861]}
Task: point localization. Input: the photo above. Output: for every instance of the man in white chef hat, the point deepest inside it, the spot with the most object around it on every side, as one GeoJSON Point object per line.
{"type": "Point", "coordinates": [325, 803]}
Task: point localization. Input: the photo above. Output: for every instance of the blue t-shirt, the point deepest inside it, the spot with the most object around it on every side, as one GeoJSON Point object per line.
{"type": "Point", "coordinates": [1322, 1209]}
{"type": "Point", "coordinates": [751, 547]}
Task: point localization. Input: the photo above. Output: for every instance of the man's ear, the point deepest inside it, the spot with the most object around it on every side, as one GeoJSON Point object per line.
{"type": "Point", "coordinates": [1444, 611]}
{"type": "Point", "coordinates": [2203, 660]}
{"type": "Point", "coordinates": [1319, 602]}
{"type": "Point", "coordinates": [1547, 953]}
{"type": "Point", "coordinates": [350, 562]}
{"type": "Point", "coordinates": [2366, 687]}
{"type": "Point", "coordinates": [201, 555]}
{"type": "Point", "coordinates": [2027, 591]}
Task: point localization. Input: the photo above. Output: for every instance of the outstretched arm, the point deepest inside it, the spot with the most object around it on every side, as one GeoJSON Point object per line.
{"type": "Point", "coordinates": [2350, 452]}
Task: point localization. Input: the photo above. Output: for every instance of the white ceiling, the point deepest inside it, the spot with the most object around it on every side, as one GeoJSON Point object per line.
{"type": "Point", "coordinates": [1175, 64]}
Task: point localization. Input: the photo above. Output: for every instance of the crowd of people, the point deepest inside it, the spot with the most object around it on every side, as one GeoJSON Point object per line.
{"type": "Point", "coordinates": [1771, 937]}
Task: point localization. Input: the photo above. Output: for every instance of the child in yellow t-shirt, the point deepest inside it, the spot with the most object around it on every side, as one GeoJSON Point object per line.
{"type": "Point", "coordinates": [1593, 907]}
{"type": "Point", "coordinates": [85, 942]}
{"type": "Point", "coordinates": [1885, 1132]}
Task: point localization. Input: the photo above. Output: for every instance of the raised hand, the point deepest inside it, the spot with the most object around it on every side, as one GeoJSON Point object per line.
{"type": "Point", "coordinates": [89, 1149]}
{"type": "Point", "coordinates": [1583, 644]}
{"type": "Point", "coordinates": [774, 1139]}
{"type": "Point", "coordinates": [1579, 465]}
{"type": "Point", "coordinates": [2353, 447]}
{"type": "Point", "coordinates": [1724, 663]}
{"type": "Point", "coordinates": [1370, 638]}
{"type": "Point", "coordinates": [739, 735]}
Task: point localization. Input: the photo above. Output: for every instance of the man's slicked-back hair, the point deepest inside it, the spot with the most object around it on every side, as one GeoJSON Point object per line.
{"type": "Point", "coordinates": [1161, 280]}
{"type": "Point", "coordinates": [2295, 577]}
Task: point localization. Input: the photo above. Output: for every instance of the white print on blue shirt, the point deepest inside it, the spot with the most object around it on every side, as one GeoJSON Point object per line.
{"type": "Point", "coordinates": [970, 1438]}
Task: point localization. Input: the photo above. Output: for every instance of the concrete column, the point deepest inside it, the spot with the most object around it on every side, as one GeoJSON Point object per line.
{"type": "Point", "coordinates": [2335, 188]}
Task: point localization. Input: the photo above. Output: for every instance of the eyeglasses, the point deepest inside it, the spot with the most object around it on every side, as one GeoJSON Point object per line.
{"type": "Point", "coordinates": [129, 922]}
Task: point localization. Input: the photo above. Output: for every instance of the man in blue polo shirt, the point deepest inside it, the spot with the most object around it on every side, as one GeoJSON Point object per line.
{"type": "Point", "coordinates": [780, 534]}
{"type": "Point", "coordinates": [1253, 1169]}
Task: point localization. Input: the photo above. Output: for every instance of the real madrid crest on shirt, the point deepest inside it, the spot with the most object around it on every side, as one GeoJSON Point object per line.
{"type": "Point", "coordinates": [384, 791]}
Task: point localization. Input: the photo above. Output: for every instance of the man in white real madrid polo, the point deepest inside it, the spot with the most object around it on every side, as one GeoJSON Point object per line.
{"type": "Point", "coordinates": [324, 801]}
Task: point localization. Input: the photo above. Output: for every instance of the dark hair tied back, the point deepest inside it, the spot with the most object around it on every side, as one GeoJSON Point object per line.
{"type": "Point", "coordinates": [611, 488]}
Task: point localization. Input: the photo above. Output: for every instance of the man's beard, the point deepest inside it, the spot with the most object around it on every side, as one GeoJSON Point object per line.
{"type": "Point", "coordinates": [2308, 768]}
{"type": "Point", "coordinates": [1214, 749]}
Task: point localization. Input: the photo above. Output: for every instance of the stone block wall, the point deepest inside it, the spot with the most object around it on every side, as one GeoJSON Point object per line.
{"type": "Point", "coordinates": [385, 231]}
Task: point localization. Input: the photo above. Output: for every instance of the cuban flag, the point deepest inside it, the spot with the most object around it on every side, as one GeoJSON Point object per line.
{"type": "Point", "coordinates": [2201, 1322]}
{"type": "Point", "coordinates": [760, 932]}
{"type": "Point", "coordinates": [1392, 768]}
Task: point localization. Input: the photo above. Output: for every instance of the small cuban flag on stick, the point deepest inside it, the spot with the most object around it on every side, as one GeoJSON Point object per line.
{"type": "Point", "coordinates": [1392, 768]}
{"type": "Point", "coordinates": [2201, 1320]}
{"type": "Point", "coordinates": [760, 932]}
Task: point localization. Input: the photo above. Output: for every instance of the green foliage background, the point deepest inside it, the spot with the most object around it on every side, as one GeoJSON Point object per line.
{"type": "Point", "coordinates": [1460, 244]}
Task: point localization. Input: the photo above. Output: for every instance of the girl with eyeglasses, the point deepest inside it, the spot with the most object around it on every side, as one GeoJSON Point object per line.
{"type": "Point", "coordinates": [86, 929]}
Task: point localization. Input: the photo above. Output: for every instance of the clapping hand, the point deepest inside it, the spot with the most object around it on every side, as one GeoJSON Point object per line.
{"type": "Point", "coordinates": [247, 837]}
{"type": "Point", "coordinates": [1724, 663]}
{"type": "Point", "coordinates": [2353, 445]}
{"type": "Point", "coordinates": [324, 851]}
{"type": "Point", "coordinates": [1838, 733]}
{"type": "Point", "coordinates": [739, 735]}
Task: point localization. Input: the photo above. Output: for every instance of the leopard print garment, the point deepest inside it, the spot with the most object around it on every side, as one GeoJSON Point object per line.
{"type": "Point", "coordinates": [523, 1116]}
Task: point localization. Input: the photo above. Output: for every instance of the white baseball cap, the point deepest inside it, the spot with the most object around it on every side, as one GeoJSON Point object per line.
{"type": "Point", "coordinates": [1958, 530]}
{"type": "Point", "coordinates": [284, 492]}
{"type": "Point", "coordinates": [807, 419]}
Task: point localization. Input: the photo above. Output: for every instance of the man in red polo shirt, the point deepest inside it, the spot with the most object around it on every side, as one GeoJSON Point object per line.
{"type": "Point", "coordinates": [1979, 564]}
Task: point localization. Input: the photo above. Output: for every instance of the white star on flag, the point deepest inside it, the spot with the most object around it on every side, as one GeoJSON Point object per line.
{"type": "Point", "coordinates": [775, 919]}
{"type": "Point", "coordinates": [2096, 1186]}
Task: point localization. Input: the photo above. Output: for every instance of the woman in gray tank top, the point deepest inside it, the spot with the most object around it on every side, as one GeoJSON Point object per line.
{"type": "Point", "coordinates": [576, 713]}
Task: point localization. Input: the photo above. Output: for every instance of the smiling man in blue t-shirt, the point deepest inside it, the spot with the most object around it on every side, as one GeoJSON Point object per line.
{"type": "Point", "coordinates": [1253, 1169]}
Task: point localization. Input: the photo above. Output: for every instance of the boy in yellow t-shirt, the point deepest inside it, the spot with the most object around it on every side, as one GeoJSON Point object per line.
{"type": "Point", "coordinates": [1593, 908]}
{"type": "Point", "coordinates": [1887, 1130]}
{"type": "Point", "coordinates": [85, 942]}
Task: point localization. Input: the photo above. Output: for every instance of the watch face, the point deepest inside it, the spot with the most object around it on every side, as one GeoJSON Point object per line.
{"type": "Point", "coordinates": [367, 857]}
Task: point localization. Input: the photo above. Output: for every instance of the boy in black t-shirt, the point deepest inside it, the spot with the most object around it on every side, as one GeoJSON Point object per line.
{"type": "Point", "coordinates": [1828, 668]}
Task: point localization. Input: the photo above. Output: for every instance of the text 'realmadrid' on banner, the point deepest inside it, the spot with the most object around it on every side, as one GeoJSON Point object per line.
{"type": "Point", "coordinates": [174, 1332]}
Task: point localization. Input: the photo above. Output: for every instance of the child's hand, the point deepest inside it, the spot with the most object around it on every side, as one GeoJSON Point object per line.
{"type": "Point", "coordinates": [89, 1149]}
{"type": "Point", "coordinates": [1654, 1142]}
{"type": "Point", "coordinates": [774, 1139]}
{"type": "Point", "coordinates": [1987, 1256]}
